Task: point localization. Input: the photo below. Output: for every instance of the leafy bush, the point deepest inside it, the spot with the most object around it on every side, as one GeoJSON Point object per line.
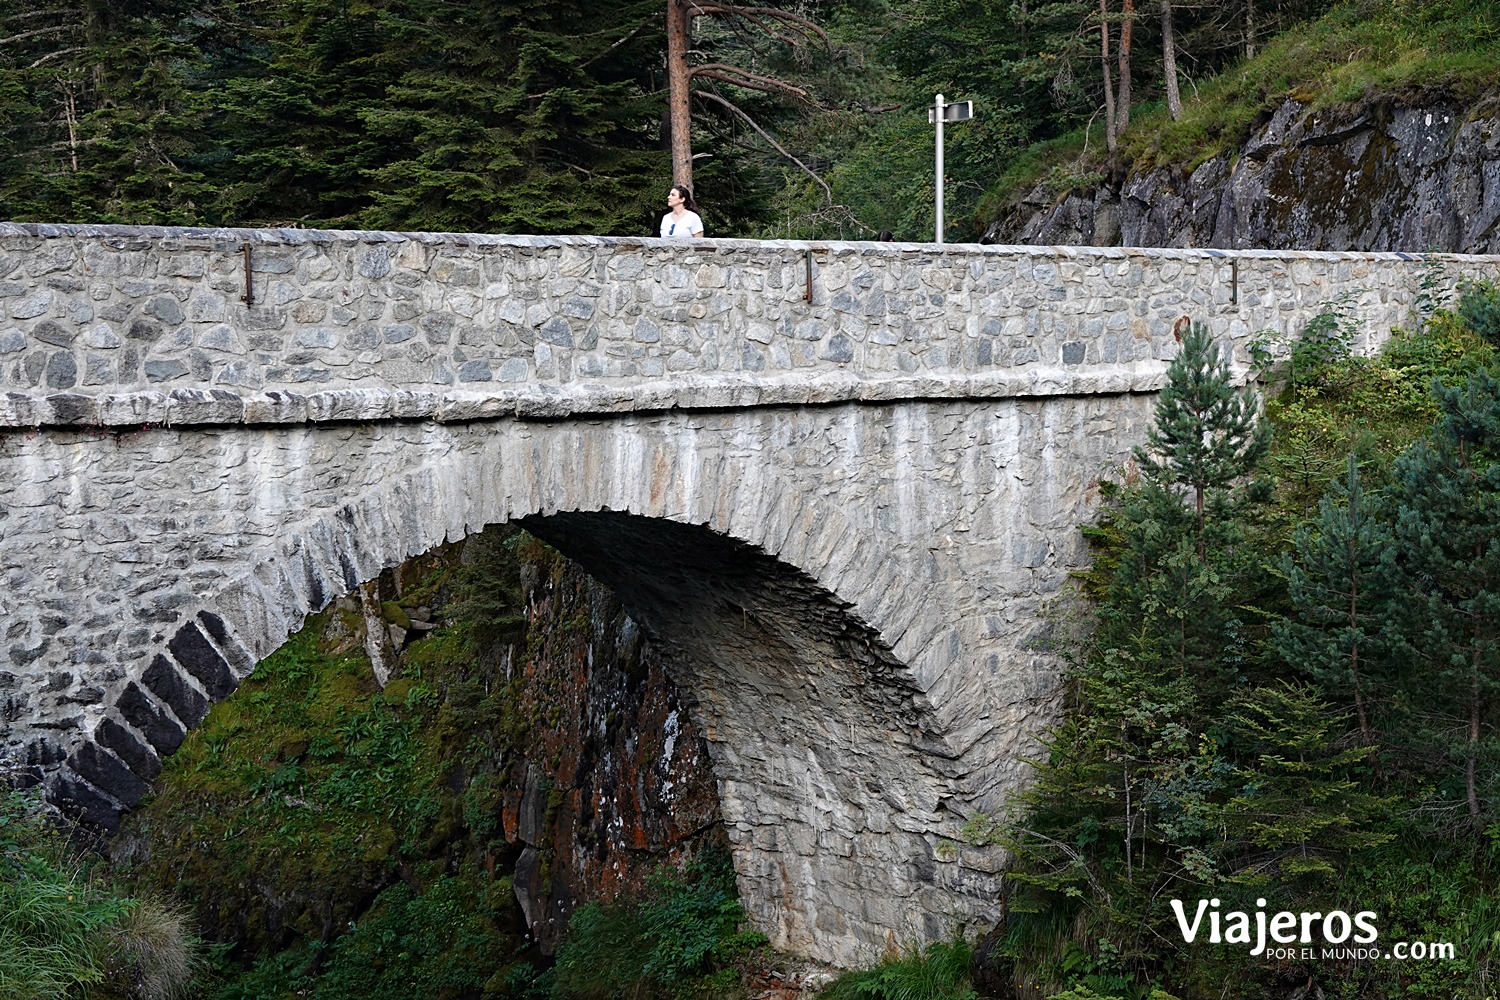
{"type": "Point", "coordinates": [1310, 357]}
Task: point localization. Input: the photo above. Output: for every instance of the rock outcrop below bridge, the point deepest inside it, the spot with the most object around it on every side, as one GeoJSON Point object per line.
{"type": "Point", "coordinates": [839, 483]}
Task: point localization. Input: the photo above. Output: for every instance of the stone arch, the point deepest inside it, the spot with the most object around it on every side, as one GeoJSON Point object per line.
{"type": "Point", "coordinates": [835, 798]}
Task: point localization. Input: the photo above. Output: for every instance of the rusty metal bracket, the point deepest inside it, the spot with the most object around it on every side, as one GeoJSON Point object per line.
{"type": "Point", "coordinates": [249, 297]}
{"type": "Point", "coordinates": [1234, 280]}
{"type": "Point", "coordinates": [808, 261]}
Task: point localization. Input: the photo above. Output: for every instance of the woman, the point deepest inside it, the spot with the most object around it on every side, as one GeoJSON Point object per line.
{"type": "Point", "coordinates": [682, 221]}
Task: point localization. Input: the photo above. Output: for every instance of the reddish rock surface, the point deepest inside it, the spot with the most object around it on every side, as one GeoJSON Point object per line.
{"type": "Point", "coordinates": [613, 780]}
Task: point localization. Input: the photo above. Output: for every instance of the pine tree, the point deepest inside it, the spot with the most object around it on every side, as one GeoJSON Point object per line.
{"type": "Point", "coordinates": [409, 114]}
{"type": "Point", "coordinates": [1182, 575]}
{"type": "Point", "coordinates": [1131, 798]}
{"type": "Point", "coordinates": [1447, 533]}
{"type": "Point", "coordinates": [1339, 583]}
{"type": "Point", "coordinates": [757, 29]}
{"type": "Point", "coordinates": [1206, 434]}
{"type": "Point", "coordinates": [92, 99]}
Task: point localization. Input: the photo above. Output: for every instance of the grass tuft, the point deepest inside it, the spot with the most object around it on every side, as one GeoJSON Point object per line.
{"type": "Point", "coordinates": [939, 973]}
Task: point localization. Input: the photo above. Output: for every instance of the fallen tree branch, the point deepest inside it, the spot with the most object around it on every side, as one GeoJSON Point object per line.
{"type": "Point", "coordinates": [616, 45]}
{"type": "Point", "coordinates": [1073, 855]}
{"type": "Point", "coordinates": [54, 29]}
{"type": "Point", "coordinates": [55, 55]}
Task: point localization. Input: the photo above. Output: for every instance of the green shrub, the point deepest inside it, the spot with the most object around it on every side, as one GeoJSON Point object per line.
{"type": "Point", "coordinates": [1479, 308]}
{"type": "Point", "coordinates": [939, 973]}
{"type": "Point", "coordinates": [66, 934]}
{"type": "Point", "coordinates": [680, 941]}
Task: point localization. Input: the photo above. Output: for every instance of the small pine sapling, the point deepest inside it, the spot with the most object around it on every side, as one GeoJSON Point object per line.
{"type": "Point", "coordinates": [1297, 798]}
{"type": "Point", "coordinates": [1206, 433]}
{"type": "Point", "coordinates": [1479, 309]}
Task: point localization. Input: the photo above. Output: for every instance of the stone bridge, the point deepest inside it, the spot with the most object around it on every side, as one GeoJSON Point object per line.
{"type": "Point", "coordinates": [839, 483]}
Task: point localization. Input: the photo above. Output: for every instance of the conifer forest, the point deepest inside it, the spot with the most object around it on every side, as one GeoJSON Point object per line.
{"type": "Point", "coordinates": [550, 118]}
{"type": "Point", "coordinates": [1282, 681]}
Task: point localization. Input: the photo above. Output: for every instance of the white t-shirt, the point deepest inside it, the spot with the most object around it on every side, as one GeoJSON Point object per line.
{"type": "Point", "coordinates": [689, 227]}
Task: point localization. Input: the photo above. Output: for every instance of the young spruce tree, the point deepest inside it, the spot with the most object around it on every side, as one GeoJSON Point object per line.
{"type": "Point", "coordinates": [1178, 582]}
{"type": "Point", "coordinates": [1299, 804]}
{"type": "Point", "coordinates": [1127, 809]}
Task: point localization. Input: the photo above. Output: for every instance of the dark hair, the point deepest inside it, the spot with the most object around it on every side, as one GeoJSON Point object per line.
{"type": "Point", "coordinates": [687, 197]}
{"type": "Point", "coordinates": [886, 236]}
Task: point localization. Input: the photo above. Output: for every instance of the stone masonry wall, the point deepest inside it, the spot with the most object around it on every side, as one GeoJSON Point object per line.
{"type": "Point", "coordinates": [124, 326]}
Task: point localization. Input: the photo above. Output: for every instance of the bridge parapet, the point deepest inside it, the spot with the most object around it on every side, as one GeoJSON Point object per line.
{"type": "Point", "coordinates": [114, 325]}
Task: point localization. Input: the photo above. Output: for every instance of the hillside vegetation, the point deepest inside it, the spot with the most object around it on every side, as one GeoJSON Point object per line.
{"type": "Point", "coordinates": [1286, 680]}
{"type": "Point", "coordinates": [1444, 50]}
{"type": "Point", "coordinates": [501, 117]}
{"type": "Point", "coordinates": [323, 836]}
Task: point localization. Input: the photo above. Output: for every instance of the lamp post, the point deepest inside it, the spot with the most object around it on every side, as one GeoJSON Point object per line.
{"type": "Point", "coordinates": [958, 111]}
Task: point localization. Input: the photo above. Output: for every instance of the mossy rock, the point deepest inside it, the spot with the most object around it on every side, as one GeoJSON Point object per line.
{"type": "Point", "coordinates": [294, 747]}
{"type": "Point", "coordinates": [394, 614]}
{"type": "Point", "coordinates": [397, 690]}
{"type": "Point", "coordinates": [379, 844]}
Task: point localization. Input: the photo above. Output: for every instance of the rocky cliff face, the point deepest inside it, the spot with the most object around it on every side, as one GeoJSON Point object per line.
{"type": "Point", "coordinates": [614, 779]}
{"type": "Point", "coordinates": [1384, 174]}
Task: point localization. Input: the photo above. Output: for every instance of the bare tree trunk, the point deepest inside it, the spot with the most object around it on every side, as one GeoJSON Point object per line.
{"type": "Point", "coordinates": [1365, 734]}
{"type": "Point", "coordinates": [679, 90]}
{"type": "Point", "coordinates": [1110, 140]}
{"type": "Point", "coordinates": [70, 115]}
{"type": "Point", "coordinates": [1129, 819]}
{"type": "Point", "coordinates": [1249, 29]}
{"type": "Point", "coordinates": [1124, 92]}
{"type": "Point", "coordinates": [1169, 61]}
{"type": "Point", "coordinates": [1471, 765]}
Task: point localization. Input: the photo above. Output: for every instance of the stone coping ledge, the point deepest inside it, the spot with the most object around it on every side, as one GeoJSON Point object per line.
{"type": "Point", "coordinates": [196, 407]}
{"type": "Point", "coordinates": [221, 238]}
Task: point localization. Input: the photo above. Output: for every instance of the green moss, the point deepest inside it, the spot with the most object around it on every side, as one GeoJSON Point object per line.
{"type": "Point", "coordinates": [308, 770]}
{"type": "Point", "coordinates": [395, 614]}
{"type": "Point", "coordinates": [379, 842]}
{"type": "Point", "coordinates": [351, 620]}
{"type": "Point", "coordinates": [303, 799]}
{"type": "Point", "coordinates": [434, 936]}
{"type": "Point", "coordinates": [398, 689]}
